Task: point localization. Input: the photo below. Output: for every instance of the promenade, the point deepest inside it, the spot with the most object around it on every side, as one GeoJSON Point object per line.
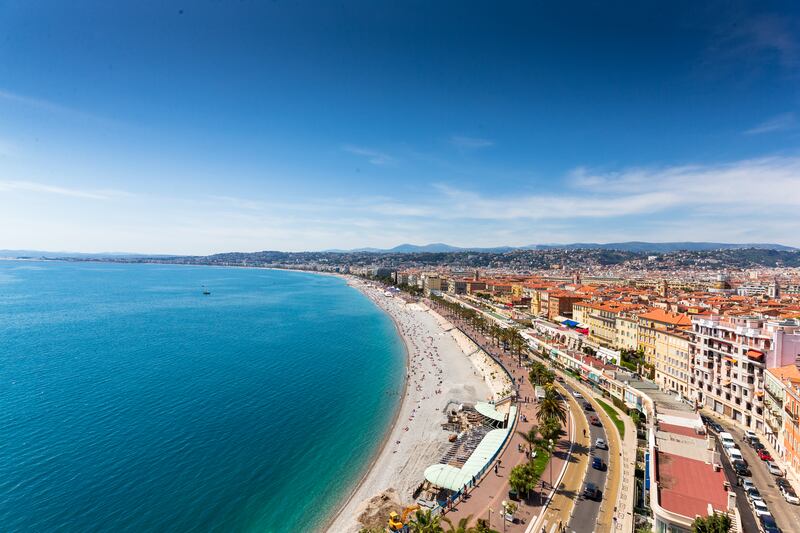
{"type": "Point", "coordinates": [566, 470]}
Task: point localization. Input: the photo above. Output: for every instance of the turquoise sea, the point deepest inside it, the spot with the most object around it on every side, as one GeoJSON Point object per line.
{"type": "Point", "coordinates": [129, 401]}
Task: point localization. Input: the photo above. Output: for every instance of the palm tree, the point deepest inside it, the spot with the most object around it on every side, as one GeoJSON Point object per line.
{"type": "Point", "coordinates": [551, 407]}
{"type": "Point", "coordinates": [425, 522]}
{"type": "Point", "coordinates": [530, 437]}
{"type": "Point", "coordinates": [462, 527]}
{"type": "Point", "coordinates": [483, 527]}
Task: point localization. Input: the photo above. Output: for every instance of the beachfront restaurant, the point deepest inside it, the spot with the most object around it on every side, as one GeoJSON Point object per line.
{"type": "Point", "coordinates": [457, 471]}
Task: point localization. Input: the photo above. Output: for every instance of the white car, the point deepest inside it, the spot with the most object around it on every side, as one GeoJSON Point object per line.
{"type": "Point", "coordinates": [760, 508]}
{"type": "Point", "coordinates": [747, 484]}
{"type": "Point", "coordinates": [749, 435]}
{"type": "Point", "coordinates": [577, 394]}
{"type": "Point", "coordinates": [789, 495]}
{"type": "Point", "coordinates": [600, 444]}
{"type": "Point", "coordinates": [774, 469]}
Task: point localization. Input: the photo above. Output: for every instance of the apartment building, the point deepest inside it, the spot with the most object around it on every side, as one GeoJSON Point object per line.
{"type": "Point", "coordinates": [730, 355]}
{"type": "Point", "coordinates": [601, 318]}
{"type": "Point", "coordinates": [626, 332]}
{"type": "Point", "coordinates": [654, 321]}
{"type": "Point", "coordinates": [672, 360]}
{"type": "Point", "coordinates": [776, 382]}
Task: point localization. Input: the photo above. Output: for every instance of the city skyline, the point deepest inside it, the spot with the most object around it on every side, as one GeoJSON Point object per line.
{"type": "Point", "coordinates": [210, 128]}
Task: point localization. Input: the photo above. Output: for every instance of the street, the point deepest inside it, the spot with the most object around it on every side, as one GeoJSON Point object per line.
{"type": "Point", "coordinates": [785, 514]}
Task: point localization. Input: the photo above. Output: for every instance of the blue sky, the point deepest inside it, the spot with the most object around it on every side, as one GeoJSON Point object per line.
{"type": "Point", "coordinates": [199, 127]}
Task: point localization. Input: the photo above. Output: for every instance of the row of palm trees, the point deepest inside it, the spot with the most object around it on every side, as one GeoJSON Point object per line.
{"type": "Point", "coordinates": [551, 415]}
{"type": "Point", "coordinates": [508, 337]}
{"type": "Point", "coordinates": [427, 522]}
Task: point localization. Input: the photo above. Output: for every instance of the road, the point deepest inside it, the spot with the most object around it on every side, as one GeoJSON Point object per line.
{"type": "Point", "coordinates": [749, 522]}
{"type": "Point", "coordinates": [785, 514]}
{"type": "Point", "coordinates": [584, 516]}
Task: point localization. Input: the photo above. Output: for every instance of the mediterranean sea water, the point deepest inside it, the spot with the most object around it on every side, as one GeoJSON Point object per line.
{"type": "Point", "coordinates": [129, 401]}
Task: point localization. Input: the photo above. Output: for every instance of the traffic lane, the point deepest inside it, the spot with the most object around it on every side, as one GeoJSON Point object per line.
{"type": "Point", "coordinates": [584, 517]}
{"type": "Point", "coordinates": [749, 522]}
{"type": "Point", "coordinates": [785, 513]}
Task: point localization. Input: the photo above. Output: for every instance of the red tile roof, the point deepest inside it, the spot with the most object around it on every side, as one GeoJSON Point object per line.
{"type": "Point", "coordinates": [687, 486]}
{"type": "Point", "coordinates": [680, 430]}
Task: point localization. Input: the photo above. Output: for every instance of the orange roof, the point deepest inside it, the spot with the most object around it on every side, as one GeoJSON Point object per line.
{"type": "Point", "coordinates": [786, 373]}
{"type": "Point", "coordinates": [674, 319]}
{"type": "Point", "coordinates": [754, 354]}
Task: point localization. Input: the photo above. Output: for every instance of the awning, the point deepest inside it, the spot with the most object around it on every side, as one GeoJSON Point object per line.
{"type": "Point", "coordinates": [755, 354]}
{"type": "Point", "coordinates": [729, 359]}
{"type": "Point", "coordinates": [726, 382]}
{"type": "Point", "coordinates": [570, 323]}
{"type": "Point", "coordinates": [759, 393]}
{"type": "Point", "coordinates": [488, 410]}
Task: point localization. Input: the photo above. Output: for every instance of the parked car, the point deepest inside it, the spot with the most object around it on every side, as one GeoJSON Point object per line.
{"type": "Point", "coordinates": [774, 469]}
{"type": "Point", "coordinates": [764, 455]}
{"type": "Point", "coordinates": [789, 494]}
{"type": "Point", "coordinates": [783, 482]}
{"type": "Point", "coordinates": [716, 427]}
{"type": "Point", "coordinates": [727, 440]}
{"type": "Point", "coordinates": [749, 435]}
{"type": "Point", "coordinates": [736, 455]}
{"type": "Point", "coordinates": [705, 419]}
{"type": "Point", "coordinates": [753, 494]}
{"type": "Point", "coordinates": [600, 444]}
{"type": "Point", "coordinates": [598, 464]}
{"type": "Point", "coordinates": [587, 406]}
{"type": "Point", "coordinates": [741, 469]}
{"type": "Point", "coordinates": [760, 508]}
{"type": "Point", "coordinates": [758, 446]}
{"type": "Point", "coordinates": [768, 524]}
{"type": "Point", "coordinates": [591, 492]}
{"type": "Point", "coordinates": [747, 484]}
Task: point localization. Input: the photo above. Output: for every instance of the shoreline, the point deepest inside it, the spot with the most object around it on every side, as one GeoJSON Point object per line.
{"type": "Point", "coordinates": [444, 372]}
{"type": "Point", "coordinates": [345, 502]}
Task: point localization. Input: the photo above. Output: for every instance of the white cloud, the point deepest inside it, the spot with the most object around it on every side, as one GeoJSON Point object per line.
{"type": "Point", "coordinates": [782, 122]}
{"type": "Point", "coordinates": [373, 156]}
{"type": "Point", "coordinates": [43, 188]}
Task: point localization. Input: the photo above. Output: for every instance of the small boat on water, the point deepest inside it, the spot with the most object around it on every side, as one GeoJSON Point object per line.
{"type": "Point", "coordinates": [206, 291]}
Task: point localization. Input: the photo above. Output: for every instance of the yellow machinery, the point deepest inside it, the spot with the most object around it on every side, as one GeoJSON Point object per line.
{"type": "Point", "coordinates": [397, 522]}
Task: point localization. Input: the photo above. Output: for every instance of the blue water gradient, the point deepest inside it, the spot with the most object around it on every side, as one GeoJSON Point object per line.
{"type": "Point", "coordinates": [131, 402]}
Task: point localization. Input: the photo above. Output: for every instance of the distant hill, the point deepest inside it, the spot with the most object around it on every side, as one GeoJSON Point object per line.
{"type": "Point", "coordinates": [40, 254]}
{"type": "Point", "coordinates": [660, 247]}
{"type": "Point", "coordinates": [632, 246]}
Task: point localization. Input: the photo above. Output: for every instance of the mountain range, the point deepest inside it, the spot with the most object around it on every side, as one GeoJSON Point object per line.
{"type": "Point", "coordinates": [631, 246]}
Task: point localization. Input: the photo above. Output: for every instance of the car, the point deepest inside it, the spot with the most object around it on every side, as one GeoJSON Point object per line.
{"type": "Point", "coordinates": [788, 493]}
{"type": "Point", "coordinates": [749, 435]}
{"type": "Point", "coordinates": [768, 524]}
{"type": "Point", "coordinates": [783, 482]}
{"type": "Point", "coordinates": [747, 484]}
{"type": "Point", "coordinates": [598, 464]}
{"type": "Point", "coordinates": [736, 455]}
{"type": "Point", "coordinates": [593, 420]}
{"type": "Point", "coordinates": [705, 419]}
{"type": "Point", "coordinates": [577, 394]}
{"type": "Point", "coordinates": [760, 508]}
{"type": "Point", "coordinates": [741, 469]}
{"type": "Point", "coordinates": [758, 446]}
{"type": "Point", "coordinates": [600, 444]}
{"type": "Point", "coordinates": [774, 469]}
{"type": "Point", "coordinates": [764, 455]}
{"type": "Point", "coordinates": [587, 406]}
{"type": "Point", "coordinates": [716, 427]}
{"type": "Point", "coordinates": [559, 379]}
{"type": "Point", "coordinates": [591, 492]}
{"type": "Point", "coordinates": [753, 494]}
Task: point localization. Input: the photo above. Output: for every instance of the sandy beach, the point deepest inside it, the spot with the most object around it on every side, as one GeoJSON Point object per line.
{"type": "Point", "coordinates": [443, 367]}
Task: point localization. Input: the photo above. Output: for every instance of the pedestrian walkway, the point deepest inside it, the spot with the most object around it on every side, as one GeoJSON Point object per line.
{"type": "Point", "coordinates": [566, 468]}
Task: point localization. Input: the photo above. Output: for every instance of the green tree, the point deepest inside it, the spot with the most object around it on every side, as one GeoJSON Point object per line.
{"type": "Point", "coordinates": [551, 406]}
{"type": "Point", "coordinates": [461, 527]}
{"type": "Point", "coordinates": [483, 527]}
{"type": "Point", "coordinates": [716, 523]}
{"type": "Point", "coordinates": [551, 430]}
{"type": "Point", "coordinates": [530, 437]}
{"type": "Point", "coordinates": [523, 478]}
{"type": "Point", "coordinates": [425, 522]}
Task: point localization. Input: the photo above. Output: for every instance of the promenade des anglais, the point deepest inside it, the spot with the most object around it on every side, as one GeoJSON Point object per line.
{"type": "Point", "coordinates": [400, 267]}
